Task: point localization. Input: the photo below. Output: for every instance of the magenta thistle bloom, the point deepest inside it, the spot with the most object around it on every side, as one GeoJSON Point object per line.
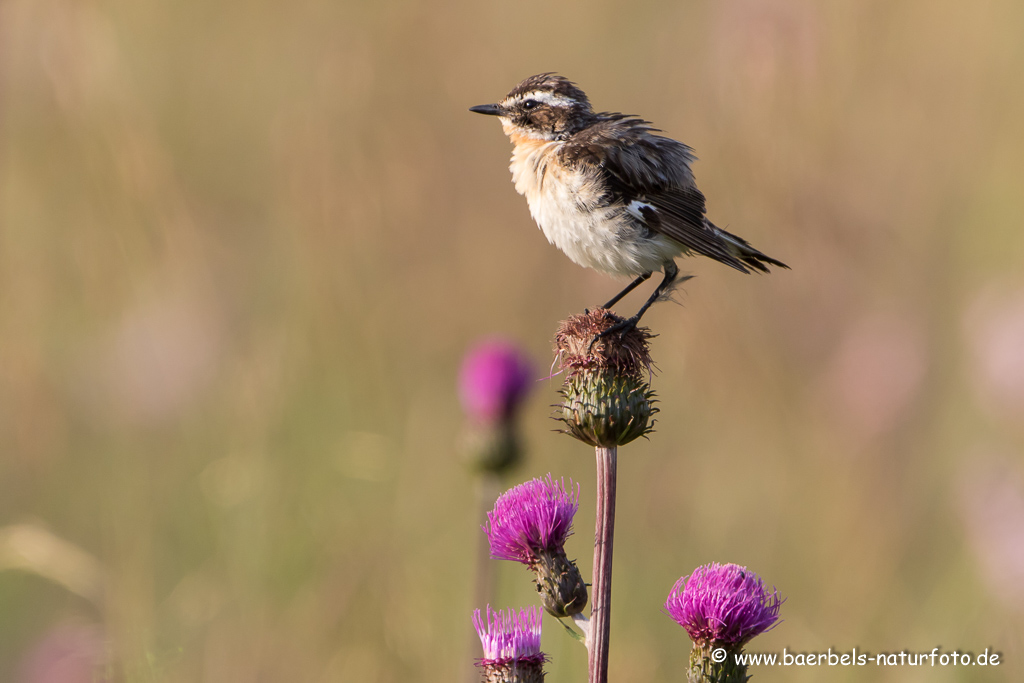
{"type": "Point", "coordinates": [530, 518]}
{"type": "Point", "coordinates": [493, 381]}
{"type": "Point", "coordinates": [724, 604]}
{"type": "Point", "coordinates": [529, 524]}
{"type": "Point", "coordinates": [511, 641]}
{"type": "Point", "coordinates": [510, 635]}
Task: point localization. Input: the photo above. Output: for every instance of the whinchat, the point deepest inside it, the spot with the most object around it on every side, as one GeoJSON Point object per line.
{"type": "Point", "coordinates": [608, 191]}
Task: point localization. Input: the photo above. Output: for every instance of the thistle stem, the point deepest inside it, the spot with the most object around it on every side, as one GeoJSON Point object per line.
{"type": "Point", "coordinates": [601, 595]}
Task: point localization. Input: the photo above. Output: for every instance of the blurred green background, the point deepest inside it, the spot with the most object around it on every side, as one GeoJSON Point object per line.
{"type": "Point", "coordinates": [244, 246]}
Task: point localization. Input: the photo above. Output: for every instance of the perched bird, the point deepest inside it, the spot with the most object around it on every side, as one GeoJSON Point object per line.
{"type": "Point", "coordinates": [608, 191]}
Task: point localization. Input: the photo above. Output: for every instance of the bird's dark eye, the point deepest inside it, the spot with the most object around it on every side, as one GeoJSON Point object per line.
{"type": "Point", "coordinates": [530, 104]}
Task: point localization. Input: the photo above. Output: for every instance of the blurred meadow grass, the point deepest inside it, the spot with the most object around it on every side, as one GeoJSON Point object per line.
{"type": "Point", "coordinates": [244, 246]}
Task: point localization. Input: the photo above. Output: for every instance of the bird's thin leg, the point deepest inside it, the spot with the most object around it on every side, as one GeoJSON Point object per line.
{"type": "Point", "coordinates": [629, 288]}
{"type": "Point", "coordinates": [671, 272]}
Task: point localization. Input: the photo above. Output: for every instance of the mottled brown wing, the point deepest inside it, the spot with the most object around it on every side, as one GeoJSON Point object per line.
{"type": "Point", "coordinates": [655, 171]}
{"type": "Point", "coordinates": [674, 214]}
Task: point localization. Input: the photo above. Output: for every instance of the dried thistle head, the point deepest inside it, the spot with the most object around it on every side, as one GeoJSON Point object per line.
{"type": "Point", "coordinates": [607, 400]}
{"type": "Point", "coordinates": [580, 347]}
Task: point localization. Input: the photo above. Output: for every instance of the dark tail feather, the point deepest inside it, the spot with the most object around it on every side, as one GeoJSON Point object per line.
{"type": "Point", "coordinates": [741, 249]}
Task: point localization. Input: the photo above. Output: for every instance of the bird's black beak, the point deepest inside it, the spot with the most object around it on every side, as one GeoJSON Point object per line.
{"type": "Point", "coordinates": [489, 109]}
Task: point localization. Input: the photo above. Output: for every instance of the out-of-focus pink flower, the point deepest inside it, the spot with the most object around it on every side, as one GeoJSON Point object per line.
{"type": "Point", "coordinates": [494, 380]}
{"type": "Point", "coordinates": [156, 361]}
{"type": "Point", "coordinates": [994, 327]}
{"type": "Point", "coordinates": [759, 42]}
{"type": "Point", "coordinates": [68, 653]}
{"type": "Point", "coordinates": [876, 373]}
{"type": "Point", "coordinates": [992, 505]}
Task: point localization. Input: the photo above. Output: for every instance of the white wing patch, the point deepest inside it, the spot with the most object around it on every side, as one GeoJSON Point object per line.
{"type": "Point", "coordinates": [635, 209]}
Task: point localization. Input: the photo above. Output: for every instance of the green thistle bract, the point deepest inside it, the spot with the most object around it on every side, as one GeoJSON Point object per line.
{"type": "Point", "coordinates": [562, 589]}
{"type": "Point", "coordinates": [604, 409]}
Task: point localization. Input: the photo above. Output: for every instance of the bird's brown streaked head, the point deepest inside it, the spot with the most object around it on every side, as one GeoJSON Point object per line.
{"type": "Point", "coordinates": [543, 107]}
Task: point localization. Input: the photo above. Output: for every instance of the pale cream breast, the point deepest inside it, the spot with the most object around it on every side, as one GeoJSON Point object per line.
{"type": "Point", "coordinates": [568, 205]}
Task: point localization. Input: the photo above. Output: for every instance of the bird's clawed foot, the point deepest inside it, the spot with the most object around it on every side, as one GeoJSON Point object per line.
{"type": "Point", "coordinates": [621, 328]}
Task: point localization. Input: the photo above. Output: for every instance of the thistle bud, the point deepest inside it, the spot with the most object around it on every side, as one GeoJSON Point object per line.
{"type": "Point", "coordinates": [606, 399]}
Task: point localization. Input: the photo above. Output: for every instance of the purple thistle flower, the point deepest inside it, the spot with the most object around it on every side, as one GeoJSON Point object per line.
{"type": "Point", "coordinates": [493, 380]}
{"type": "Point", "coordinates": [531, 518]}
{"type": "Point", "coordinates": [510, 636]}
{"type": "Point", "coordinates": [723, 604]}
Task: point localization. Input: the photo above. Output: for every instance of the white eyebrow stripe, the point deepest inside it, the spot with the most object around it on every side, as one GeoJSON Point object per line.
{"type": "Point", "coordinates": [545, 97]}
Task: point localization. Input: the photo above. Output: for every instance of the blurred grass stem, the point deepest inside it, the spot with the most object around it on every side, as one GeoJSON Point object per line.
{"type": "Point", "coordinates": [488, 487]}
